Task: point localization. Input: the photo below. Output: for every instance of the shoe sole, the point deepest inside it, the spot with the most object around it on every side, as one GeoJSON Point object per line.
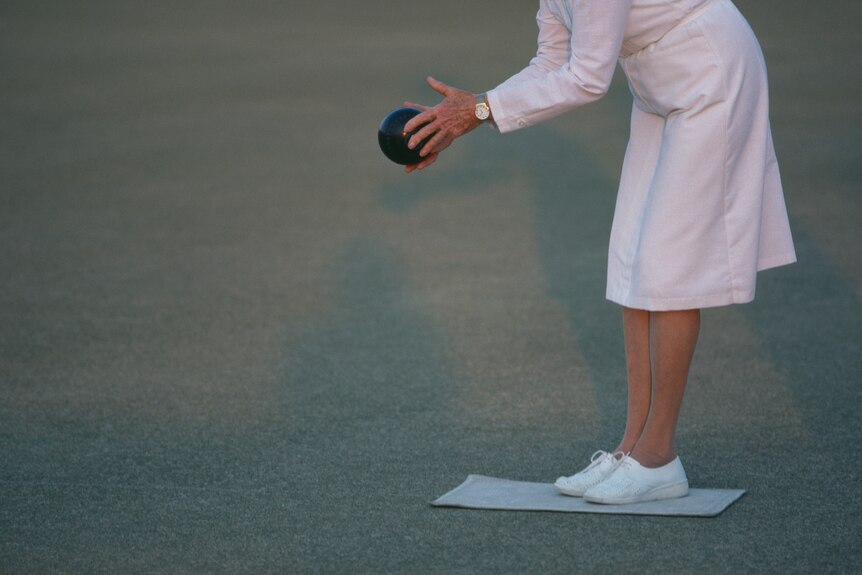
{"type": "Point", "coordinates": [673, 491]}
{"type": "Point", "coordinates": [569, 492]}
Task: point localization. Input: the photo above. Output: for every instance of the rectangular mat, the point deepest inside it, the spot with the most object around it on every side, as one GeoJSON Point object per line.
{"type": "Point", "coordinates": [481, 492]}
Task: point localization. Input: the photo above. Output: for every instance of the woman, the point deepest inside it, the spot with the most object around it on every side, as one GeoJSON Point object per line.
{"type": "Point", "coordinates": [700, 208]}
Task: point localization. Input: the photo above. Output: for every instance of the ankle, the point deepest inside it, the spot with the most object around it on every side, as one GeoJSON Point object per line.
{"type": "Point", "coordinates": [652, 458]}
{"type": "Point", "coordinates": [627, 444]}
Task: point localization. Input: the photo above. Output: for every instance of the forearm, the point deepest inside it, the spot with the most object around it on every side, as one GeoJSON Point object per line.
{"type": "Point", "coordinates": [571, 68]}
{"type": "Point", "coordinates": [544, 97]}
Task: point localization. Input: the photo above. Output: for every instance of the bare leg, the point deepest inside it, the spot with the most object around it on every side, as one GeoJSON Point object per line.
{"type": "Point", "coordinates": [636, 331]}
{"type": "Point", "coordinates": [659, 348]}
{"type": "Point", "coordinates": [672, 339]}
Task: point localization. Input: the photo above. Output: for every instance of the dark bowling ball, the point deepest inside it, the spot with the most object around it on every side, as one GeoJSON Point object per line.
{"type": "Point", "coordinates": [393, 139]}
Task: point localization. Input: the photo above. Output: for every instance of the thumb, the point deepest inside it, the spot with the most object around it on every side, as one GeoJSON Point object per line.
{"type": "Point", "coordinates": [438, 86]}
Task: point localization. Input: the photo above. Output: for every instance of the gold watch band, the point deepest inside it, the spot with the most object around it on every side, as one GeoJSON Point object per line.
{"type": "Point", "coordinates": [483, 110]}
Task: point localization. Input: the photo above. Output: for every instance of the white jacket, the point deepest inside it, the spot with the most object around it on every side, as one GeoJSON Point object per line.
{"type": "Point", "coordinates": [579, 44]}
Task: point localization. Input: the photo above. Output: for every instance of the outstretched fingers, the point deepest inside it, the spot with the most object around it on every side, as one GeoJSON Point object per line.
{"type": "Point", "coordinates": [426, 117]}
{"type": "Point", "coordinates": [435, 128]}
{"type": "Point", "coordinates": [422, 133]}
{"type": "Point", "coordinates": [439, 86]}
{"type": "Point", "coordinates": [424, 163]}
{"type": "Point", "coordinates": [436, 144]}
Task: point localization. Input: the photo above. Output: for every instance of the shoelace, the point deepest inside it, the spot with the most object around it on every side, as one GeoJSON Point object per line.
{"type": "Point", "coordinates": [598, 454]}
{"type": "Point", "coordinates": [601, 455]}
{"type": "Point", "coordinates": [625, 461]}
{"type": "Point", "coordinates": [596, 459]}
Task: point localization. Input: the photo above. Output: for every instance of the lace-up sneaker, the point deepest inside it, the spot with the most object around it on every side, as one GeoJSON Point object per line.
{"type": "Point", "coordinates": [631, 482]}
{"type": "Point", "coordinates": [602, 465]}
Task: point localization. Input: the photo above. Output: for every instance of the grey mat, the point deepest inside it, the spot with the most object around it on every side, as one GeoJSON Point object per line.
{"type": "Point", "coordinates": [481, 492]}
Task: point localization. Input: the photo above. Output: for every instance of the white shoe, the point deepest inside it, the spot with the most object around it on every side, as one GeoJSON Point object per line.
{"type": "Point", "coordinates": [602, 465]}
{"type": "Point", "coordinates": [631, 482]}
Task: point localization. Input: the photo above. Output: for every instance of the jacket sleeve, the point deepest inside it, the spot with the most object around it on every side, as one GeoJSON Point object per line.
{"type": "Point", "coordinates": [570, 69]}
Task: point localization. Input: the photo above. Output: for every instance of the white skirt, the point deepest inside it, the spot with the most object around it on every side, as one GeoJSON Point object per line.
{"type": "Point", "coordinates": [700, 208]}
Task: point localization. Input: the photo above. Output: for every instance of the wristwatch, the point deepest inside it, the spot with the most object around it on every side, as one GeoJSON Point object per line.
{"type": "Point", "coordinates": [483, 111]}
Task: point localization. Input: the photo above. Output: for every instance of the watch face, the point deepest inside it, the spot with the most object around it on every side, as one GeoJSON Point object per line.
{"type": "Point", "coordinates": [482, 111]}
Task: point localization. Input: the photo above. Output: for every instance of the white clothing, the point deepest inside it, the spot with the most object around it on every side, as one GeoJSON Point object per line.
{"type": "Point", "coordinates": [700, 207]}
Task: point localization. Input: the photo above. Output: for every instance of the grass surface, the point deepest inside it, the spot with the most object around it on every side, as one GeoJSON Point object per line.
{"type": "Point", "coordinates": [234, 339]}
